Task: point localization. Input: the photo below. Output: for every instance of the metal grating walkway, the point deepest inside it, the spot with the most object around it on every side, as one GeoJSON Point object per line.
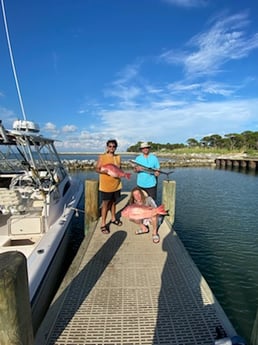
{"type": "Point", "coordinates": [123, 289]}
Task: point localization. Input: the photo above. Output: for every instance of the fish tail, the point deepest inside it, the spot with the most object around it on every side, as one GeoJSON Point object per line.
{"type": "Point", "coordinates": [161, 210]}
{"type": "Point", "coordinates": [128, 176]}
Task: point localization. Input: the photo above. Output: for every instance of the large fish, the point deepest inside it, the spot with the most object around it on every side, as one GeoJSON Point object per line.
{"type": "Point", "coordinates": [114, 171]}
{"type": "Point", "coordinates": [137, 212]}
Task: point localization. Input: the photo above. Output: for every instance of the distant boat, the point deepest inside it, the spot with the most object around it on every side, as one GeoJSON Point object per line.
{"type": "Point", "coordinates": [38, 199]}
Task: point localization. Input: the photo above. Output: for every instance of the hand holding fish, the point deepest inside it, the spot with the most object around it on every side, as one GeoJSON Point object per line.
{"type": "Point", "coordinates": [140, 167]}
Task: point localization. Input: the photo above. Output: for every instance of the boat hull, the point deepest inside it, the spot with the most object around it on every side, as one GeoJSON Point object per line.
{"type": "Point", "coordinates": [55, 271]}
{"type": "Point", "coordinates": [50, 282]}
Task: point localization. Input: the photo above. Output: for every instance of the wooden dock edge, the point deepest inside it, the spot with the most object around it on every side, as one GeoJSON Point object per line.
{"type": "Point", "coordinates": [205, 287]}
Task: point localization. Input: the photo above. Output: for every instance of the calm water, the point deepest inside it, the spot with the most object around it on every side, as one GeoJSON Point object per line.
{"type": "Point", "coordinates": [216, 219]}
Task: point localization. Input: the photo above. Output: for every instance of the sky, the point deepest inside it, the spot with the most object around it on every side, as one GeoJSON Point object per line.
{"type": "Point", "coordinates": [161, 71]}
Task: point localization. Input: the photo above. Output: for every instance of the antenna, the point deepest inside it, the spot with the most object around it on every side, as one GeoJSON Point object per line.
{"type": "Point", "coordinates": [12, 60]}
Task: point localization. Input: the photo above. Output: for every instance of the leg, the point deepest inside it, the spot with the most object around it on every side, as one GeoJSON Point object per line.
{"type": "Point", "coordinates": [152, 192]}
{"type": "Point", "coordinates": [104, 211]}
{"type": "Point", "coordinates": [115, 221]}
{"type": "Point", "coordinates": [143, 229]}
{"type": "Point", "coordinates": [113, 210]}
{"type": "Point", "coordinates": [155, 235]}
{"type": "Point", "coordinates": [154, 222]}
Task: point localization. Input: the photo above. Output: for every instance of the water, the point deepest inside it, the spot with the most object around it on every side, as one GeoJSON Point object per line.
{"type": "Point", "coordinates": [216, 219]}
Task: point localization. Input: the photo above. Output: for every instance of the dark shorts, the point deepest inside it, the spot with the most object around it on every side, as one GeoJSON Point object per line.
{"type": "Point", "coordinates": [114, 196]}
{"type": "Point", "coordinates": [152, 191]}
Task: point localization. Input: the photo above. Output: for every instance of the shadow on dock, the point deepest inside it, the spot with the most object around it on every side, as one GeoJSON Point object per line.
{"type": "Point", "coordinates": [79, 288]}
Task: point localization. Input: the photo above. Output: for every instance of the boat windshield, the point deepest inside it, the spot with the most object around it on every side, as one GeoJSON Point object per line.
{"type": "Point", "coordinates": [26, 152]}
{"type": "Point", "coordinates": [22, 153]}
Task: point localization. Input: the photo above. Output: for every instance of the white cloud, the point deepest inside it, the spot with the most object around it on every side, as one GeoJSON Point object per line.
{"type": "Point", "coordinates": [121, 87]}
{"type": "Point", "coordinates": [7, 117]}
{"type": "Point", "coordinates": [125, 93]}
{"type": "Point", "coordinates": [225, 40]}
{"type": "Point", "coordinates": [187, 3]}
{"type": "Point", "coordinates": [204, 89]}
{"type": "Point", "coordinates": [163, 123]}
{"type": "Point", "coordinates": [81, 111]}
{"type": "Point", "coordinates": [49, 126]}
{"type": "Point", "coordinates": [167, 103]}
{"type": "Point", "coordinates": [69, 128]}
{"type": "Point", "coordinates": [127, 74]}
{"type": "Point", "coordinates": [173, 124]}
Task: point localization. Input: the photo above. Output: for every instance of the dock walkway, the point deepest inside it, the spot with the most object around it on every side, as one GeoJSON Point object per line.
{"type": "Point", "coordinates": [124, 289]}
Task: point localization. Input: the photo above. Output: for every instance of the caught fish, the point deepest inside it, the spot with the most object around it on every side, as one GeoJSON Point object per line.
{"type": "Point", "coordinates": [141, 212]}
{"type": "Point", "coordinates": [114, 171]}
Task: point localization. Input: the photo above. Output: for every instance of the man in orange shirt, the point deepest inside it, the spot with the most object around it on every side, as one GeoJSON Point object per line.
{"type": "Point", "coordinates": [109, 187]}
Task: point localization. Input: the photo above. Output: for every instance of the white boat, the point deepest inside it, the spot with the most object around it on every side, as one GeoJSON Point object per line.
{"type": "Point", "coordinates": [37, 202]}
{"type": "Point", "coordinates": [38, 199]}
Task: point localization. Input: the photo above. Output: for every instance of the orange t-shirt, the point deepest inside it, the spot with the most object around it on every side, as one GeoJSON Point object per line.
{"type": "Point", "coordinates": [108, 183]}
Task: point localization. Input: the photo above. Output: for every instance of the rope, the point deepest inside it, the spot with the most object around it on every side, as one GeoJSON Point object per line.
{"type": "Point", "coordinates": [12, 60]}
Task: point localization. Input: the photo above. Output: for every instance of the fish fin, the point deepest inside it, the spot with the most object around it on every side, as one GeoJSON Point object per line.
{"type": "Point", "coordinates": [128, 176]}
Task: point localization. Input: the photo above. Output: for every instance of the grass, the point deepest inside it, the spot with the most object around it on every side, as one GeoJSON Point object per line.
{"type": "Point", "coordinates": [201, 150]}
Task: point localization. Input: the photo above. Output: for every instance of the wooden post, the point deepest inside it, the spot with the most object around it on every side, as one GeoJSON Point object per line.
{"type": "Point", "coordinates": [252, 165]}
{"type": "Point", "coordinates": [91, 201]}
{"type": "Point", "coordinates": [169, 199]}
{"type": "Point", "coordinates": [15, 311]}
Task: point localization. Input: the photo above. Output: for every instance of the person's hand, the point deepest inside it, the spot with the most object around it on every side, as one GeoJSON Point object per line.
{"type": "Point", "coordinates": [138, 168]}
{"type": "Point", "coordinates": [104, 171]}
{"type": "Point", "coordinates": [157, 173]}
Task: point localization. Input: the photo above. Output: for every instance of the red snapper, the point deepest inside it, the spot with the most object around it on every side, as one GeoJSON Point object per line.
{"type": "Point", "coordinates": [114, 171]}
{"type": "Point", "coordinates": [138, 212]}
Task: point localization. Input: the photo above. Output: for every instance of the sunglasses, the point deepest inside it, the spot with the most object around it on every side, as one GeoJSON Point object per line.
{"type": "Point", "coordinates": [112, 146]}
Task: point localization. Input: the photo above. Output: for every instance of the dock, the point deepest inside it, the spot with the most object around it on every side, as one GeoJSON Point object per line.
{"type": "Point", "coordinates": [123, 289]}
{"type": "Point", "coordinates": [237, 163]}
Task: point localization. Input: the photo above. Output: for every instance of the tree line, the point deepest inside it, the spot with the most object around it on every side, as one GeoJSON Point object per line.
{"type": "Point", "coordinates": [247, 140]}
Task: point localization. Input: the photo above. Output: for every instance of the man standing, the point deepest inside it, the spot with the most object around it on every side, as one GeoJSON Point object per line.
{"type": "Point", "coordinates": [147, 180]}
{"type": "Point", "coordinates": [109, 187]}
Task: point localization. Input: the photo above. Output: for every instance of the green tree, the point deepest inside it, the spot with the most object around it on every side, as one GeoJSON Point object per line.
{"type": "Point", "coordinates": [192, 142]}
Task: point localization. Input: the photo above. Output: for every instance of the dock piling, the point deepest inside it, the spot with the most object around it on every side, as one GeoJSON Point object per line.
{"type": "Point", "coordinates": [169, 199]}
{"type": "Point", "coordinates": [91, 202]}
{"type": "Point", "coordinates": [15, 311]}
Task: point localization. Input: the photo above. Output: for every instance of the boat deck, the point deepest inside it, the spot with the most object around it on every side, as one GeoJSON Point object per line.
{"type": "Point", "coordinates": [123, 289]}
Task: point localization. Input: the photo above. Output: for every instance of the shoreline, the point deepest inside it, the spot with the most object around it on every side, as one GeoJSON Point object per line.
{"type": "Point", "coordinates": [175, 160]}
{"type": "Point", "coordinates": [172, 160]}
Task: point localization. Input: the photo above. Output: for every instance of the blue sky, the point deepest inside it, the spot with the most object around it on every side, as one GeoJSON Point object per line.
{"type": "Point", "coordinates": [135, 70]}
